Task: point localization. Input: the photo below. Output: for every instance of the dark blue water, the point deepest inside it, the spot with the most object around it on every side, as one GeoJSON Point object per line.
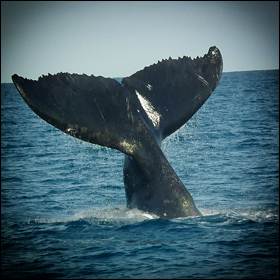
{"type": "Point", "coordinates": [63, 202]}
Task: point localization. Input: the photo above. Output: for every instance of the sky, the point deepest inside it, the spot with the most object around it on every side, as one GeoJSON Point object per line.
{"type": "Point", "coordinates": [116, 39]}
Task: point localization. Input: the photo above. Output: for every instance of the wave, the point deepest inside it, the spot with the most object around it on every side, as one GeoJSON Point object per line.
{"type": "Point", "coordinates": [255, 215]}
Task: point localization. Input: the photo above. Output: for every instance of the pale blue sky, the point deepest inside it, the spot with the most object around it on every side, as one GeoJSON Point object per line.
{"type": "Point", "coordinates": [116, 39]}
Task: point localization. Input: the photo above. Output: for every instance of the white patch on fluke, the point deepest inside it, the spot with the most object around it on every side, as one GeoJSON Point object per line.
{"type": "Point", "coordinates": [202, 80]}
{"type": "Point", "coordinates": [149, 87]}
{"type": "Point", "coordinates": [128, 147]}
{"type": "Point", "coordinates": [150, 110]}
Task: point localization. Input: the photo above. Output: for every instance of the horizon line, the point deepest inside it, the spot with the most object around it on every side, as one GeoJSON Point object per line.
{"type": "Point", "coordinates": [233, 71]}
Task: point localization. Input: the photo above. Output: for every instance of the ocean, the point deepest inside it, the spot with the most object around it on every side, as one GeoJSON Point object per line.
{"type": "Point", "coordinates": [63, 206]}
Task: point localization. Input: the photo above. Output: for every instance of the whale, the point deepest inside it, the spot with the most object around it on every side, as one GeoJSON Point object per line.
{"type": "Point", "coordinates": [134, 116]}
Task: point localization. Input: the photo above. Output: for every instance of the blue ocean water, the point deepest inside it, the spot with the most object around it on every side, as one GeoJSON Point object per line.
{"type": "Point", "coordinates": [63, 211]}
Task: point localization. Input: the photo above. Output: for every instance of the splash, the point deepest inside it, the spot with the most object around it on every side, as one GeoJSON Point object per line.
{"type": "Point", "coordinates": [112, 216]}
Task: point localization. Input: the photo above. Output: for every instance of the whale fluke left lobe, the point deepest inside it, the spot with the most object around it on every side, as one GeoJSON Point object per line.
{"type": "Point", "coordinates": [95, 109]}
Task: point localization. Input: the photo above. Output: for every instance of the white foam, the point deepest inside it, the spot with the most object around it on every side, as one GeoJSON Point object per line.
{"type": "Point", "coordinates": [150, 110]}
{"type": "Point", "coordinates": [121, 215]}
{"type": "Point", "coordinates": [149, 216]}
{"type": "Point", "coordinates": [242, 214]}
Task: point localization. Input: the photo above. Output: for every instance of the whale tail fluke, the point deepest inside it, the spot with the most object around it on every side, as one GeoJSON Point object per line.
{"type": "Point", "coordinates": [102, 111]}
{"type": "Point", "coordinates": [133, 116]}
